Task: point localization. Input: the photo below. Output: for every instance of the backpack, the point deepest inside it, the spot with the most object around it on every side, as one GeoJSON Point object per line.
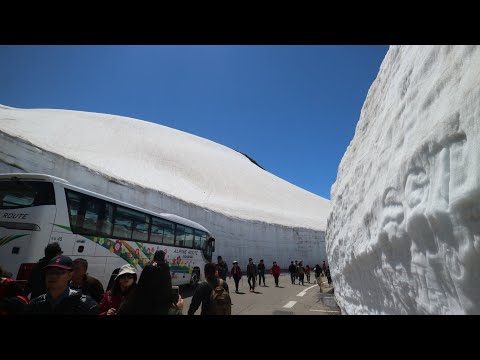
{"type": "Point", "coordinates": [220, 301]}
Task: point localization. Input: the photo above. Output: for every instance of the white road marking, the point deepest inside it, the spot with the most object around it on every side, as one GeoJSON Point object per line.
{"type": "Point", "coordinates": [290, 304]}
{"type": "Point", "coordinates": [328, 311]}
{"type": "Point", "coordinates": [303, 292]}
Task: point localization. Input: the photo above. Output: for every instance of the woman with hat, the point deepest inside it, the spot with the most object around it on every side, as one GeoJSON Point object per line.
{"type": "Point", "coordinates": [236, 273]}
{"type": "Point", "coordinates": [123, 286]}
{"type": "Point", "coordinates": [153, 294]}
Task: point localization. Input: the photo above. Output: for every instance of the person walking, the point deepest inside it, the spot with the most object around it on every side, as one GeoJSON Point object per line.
{"type": "Point", "coordinates": [301, 273]}
{"type": "Point", "coordinates": [236, 273]}
{"type": "Point", "coordinates": [318, 272]}
{"type": "Point", "coordinates": [251, 274]}
{"type": "Point", "coordinates": [202, 295]}
{"type": "Point", "coordinates": [327, 274]}
{"type": "Point", "coordinates": [275, 271]}
{"type": "Point", "coordinates": [222, 268]}
{"type": "Point", "coordinates": [307, 273]}
{"type": "Point", "coordinates": [292, 270]}
{"type": "Point", "coordinates": [261, 273]}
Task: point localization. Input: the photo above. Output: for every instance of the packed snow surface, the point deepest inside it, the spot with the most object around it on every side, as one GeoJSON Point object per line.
{"type": "Point", "coordinates": [403, 236]}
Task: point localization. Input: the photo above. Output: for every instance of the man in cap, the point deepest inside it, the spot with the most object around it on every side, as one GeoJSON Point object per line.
{"type": "Point", "coordinates": [60, 299]}
{"type": "Point", "coordinates": [36, 280]}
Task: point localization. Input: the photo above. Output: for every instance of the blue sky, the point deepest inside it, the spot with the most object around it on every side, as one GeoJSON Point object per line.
{"type": "Point", "coordinates": [293, 109]}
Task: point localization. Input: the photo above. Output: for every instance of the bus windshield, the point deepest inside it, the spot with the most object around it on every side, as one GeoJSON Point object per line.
{"type": "Point", "coordinates": [20, 194]}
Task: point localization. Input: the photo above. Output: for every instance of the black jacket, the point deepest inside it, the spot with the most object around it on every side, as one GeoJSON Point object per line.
{"type": "Point", "coordinates": [36, 281]}
{"type": "Point", "coordinates": [92, 287]}
{"type": "Point", "coordinates": [76, 303]}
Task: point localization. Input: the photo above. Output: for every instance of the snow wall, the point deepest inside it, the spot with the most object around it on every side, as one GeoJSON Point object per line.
{"type": "Point", "coordinates": [403, 236]}
{"type": "Point", "coordinates": [237, 238]}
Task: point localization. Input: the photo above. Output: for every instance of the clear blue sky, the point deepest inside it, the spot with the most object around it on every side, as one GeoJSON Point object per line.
{"type": "Point", "coordinates": [293, 109]}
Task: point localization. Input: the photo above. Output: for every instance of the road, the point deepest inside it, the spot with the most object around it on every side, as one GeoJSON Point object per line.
{"type": "Point", "coordinates": [287, 299]}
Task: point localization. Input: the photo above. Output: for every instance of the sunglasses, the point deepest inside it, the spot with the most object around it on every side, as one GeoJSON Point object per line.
{"type": "Point", "coordinates": [126, 276]}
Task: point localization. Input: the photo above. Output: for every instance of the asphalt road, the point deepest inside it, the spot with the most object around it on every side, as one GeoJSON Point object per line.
{"type": "Point", "coordinates": [287, 299]}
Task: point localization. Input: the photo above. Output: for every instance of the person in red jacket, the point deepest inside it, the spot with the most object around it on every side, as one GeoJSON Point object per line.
{"type": "Point", "coordinates": [275, 271]}
{"type": "Point", "coordinates": [123, 286]}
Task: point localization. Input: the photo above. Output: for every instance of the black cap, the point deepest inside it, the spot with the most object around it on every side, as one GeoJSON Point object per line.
{"type": "Point", "coordinates": [61, 261]}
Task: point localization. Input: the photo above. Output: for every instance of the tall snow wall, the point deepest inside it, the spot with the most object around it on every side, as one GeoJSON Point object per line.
{"type": "Point", "coordinates": [403, 236]}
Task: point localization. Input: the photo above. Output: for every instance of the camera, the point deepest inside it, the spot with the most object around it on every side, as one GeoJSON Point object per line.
{"type": "Point", "coordinates": [175, 294]}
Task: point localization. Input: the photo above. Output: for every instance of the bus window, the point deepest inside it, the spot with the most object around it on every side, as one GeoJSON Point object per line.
{"type": "Point", "coordinates": [156, 233]}
{"type": "Point", "coordinates": [188, 237]}
{"type": "Point", "coordinates": [129, 224]}
{"type": "Point", "coordinates": [168, 234]}
{"type": "Point", "coordinates": [106, 220]}
{"type": "Point", "coordinates": [180, 235]}
{"type": "Point", "coordinates": [73, 204]}
{"type": "Point", "coordinates": [140, 227]}
{"type": "Point", "coordinates": [162, 231]}
{"type": "Point", "coordinates": [203, 239]}
{"type": "Point", "coordinates": [91, 216]}
{"type": "Point", "coordinates": [18, 194]}
{"type": "Point", "coordinates": [122, 227]}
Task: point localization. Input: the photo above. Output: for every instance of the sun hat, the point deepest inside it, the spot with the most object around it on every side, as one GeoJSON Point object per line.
{"type": "Point", "coordinates": [126, 269]}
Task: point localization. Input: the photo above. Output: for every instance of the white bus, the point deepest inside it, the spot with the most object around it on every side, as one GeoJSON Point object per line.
{"type": "Point", "coordinates": [36, 209]}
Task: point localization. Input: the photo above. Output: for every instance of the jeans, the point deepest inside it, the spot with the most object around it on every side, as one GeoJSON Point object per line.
{"type": "Point", "coordinates": [237, 280]}
{"type": "Point", "coordinates": [261, 275]}
{"type": "Point", "coordinates": [252, 284]}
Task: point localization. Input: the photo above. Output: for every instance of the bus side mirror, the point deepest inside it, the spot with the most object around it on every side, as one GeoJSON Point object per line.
{"type": "Point", "coordinates": [212, 244]}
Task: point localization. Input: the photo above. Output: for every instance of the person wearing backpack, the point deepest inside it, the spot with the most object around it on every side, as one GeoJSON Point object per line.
{"type": "Point", "coordinates": [213, 294]}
